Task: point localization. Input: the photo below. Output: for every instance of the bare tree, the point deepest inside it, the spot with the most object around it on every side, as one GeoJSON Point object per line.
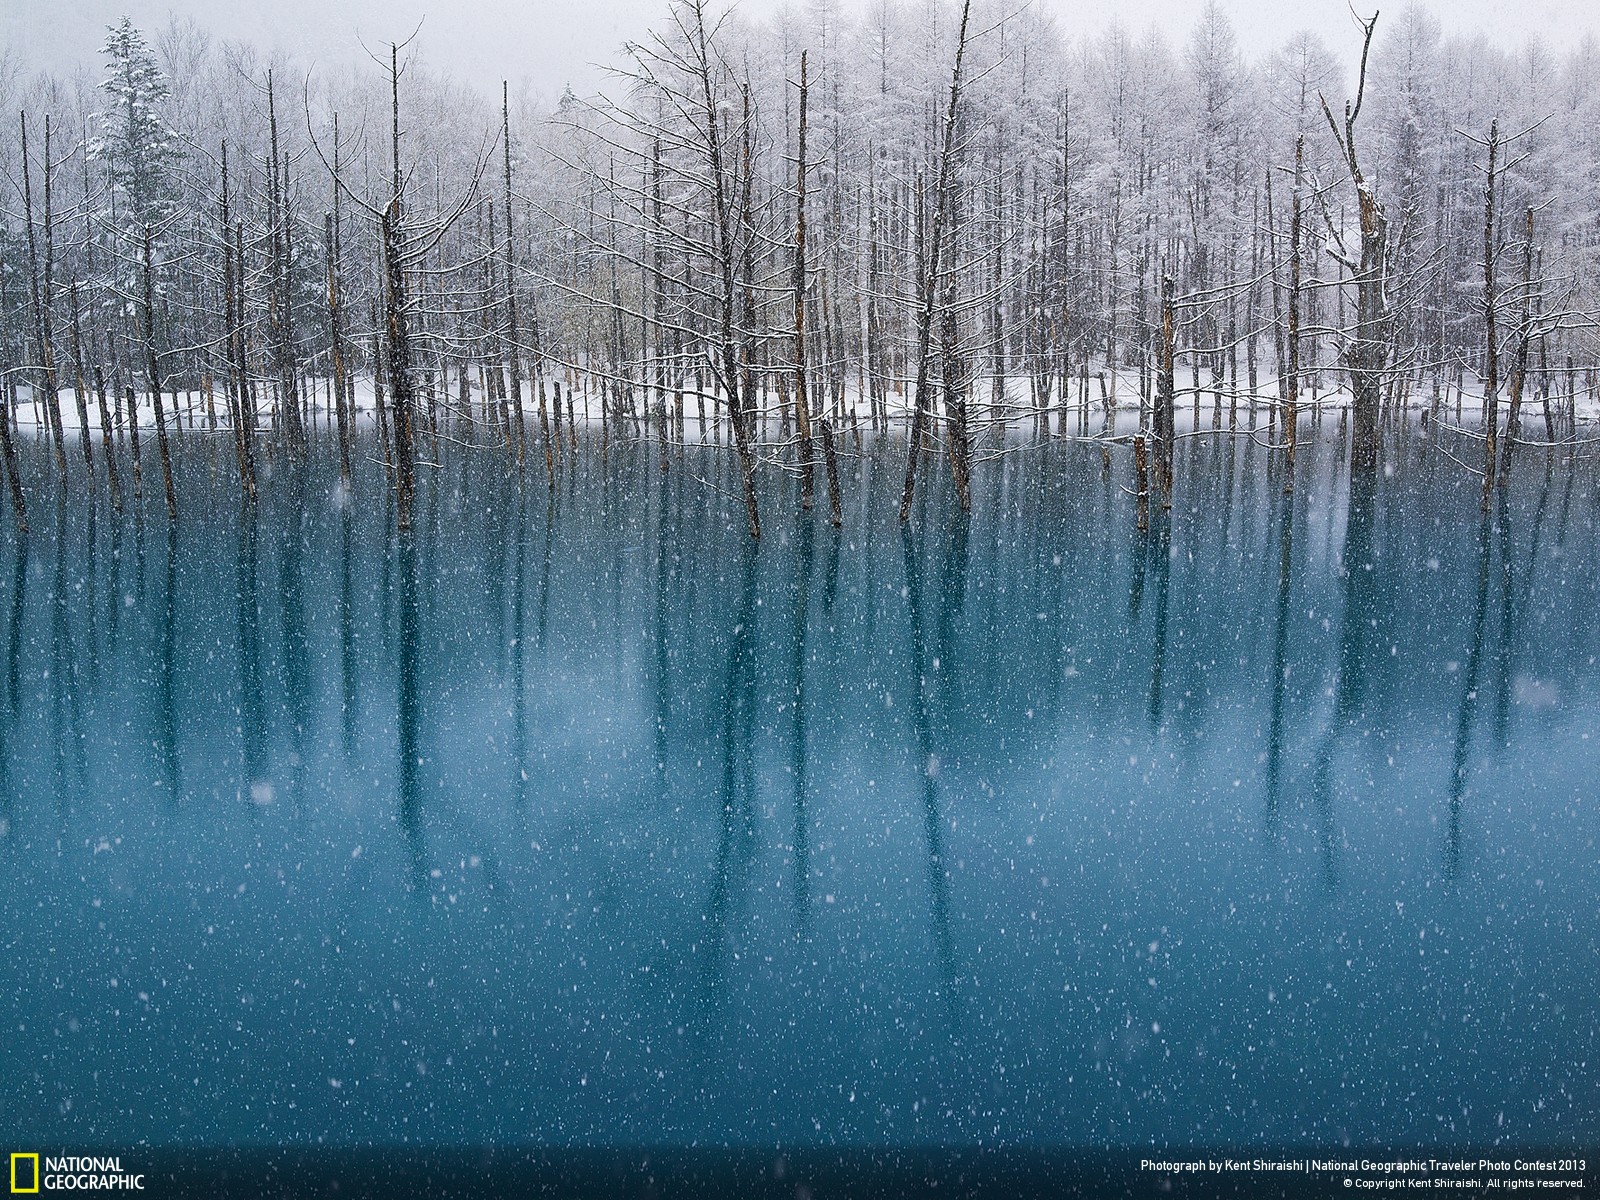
{"type": "Point", "coordinates": [405, 240]}
{"type": "Point", "coordinates": [929, 280]}
{"type": "Point", "coordinates": [802, 410]}
{"type": "Point", "coordinates": [1367, 346]}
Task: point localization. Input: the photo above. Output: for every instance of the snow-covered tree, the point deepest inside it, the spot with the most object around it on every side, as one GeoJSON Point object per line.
{"type": "Point", "coordinates": [134, 139]}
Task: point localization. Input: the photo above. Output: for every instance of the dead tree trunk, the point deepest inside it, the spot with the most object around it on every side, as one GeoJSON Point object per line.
{"type": "Point", "coordinates": [40, 288]}
{"type": "Point", "coordinates": [1291, 387]}
{"type": "Point", "coordinates": [336, 347]}
{"type": "Point", "coordinates": [153, 369]}
{"type": "Point", "coordinates": [1166, 387]}
{"type": "Point", "coordinates": [929, 283]}
{"type": "Point", "coordinates": [1491, 357]}
{"type": "Point", "coordinates": [835, 504]}
{"type": "Point", "coordinates": [344, 415]}
{"type": "Point", "coordinates": [1366, 351]}
{"type": "Point", "coordinates": [80, 384]}
{"type": "Point", "coordinates": [1519, 371]}
{"type": "Point", "coordinates": [280, 295]}
{"type": "Point", "coordinates": [239, 366]}
{"type": "Point", "coordinates": [108, 447]}
{"type": "Point", "coordinates": [397, 345]}
{"type": "Point", "coordinates": [8, 456]}
{"type": "Point", "coordinates": [513, 345]}
{"type": "Point", "coordinates": [802, 412]}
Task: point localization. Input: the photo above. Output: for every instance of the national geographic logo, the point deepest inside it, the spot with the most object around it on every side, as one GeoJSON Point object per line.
{"type": "Point", "coordinates": [70, 1173]}
{"type": "Point", "coordinates": [24, 1173]}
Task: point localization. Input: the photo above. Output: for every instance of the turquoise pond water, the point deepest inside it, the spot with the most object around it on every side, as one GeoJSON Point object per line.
{"type": "Point", "coordinates": [576, 818]}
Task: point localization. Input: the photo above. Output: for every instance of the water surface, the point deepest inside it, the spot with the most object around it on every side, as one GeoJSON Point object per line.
{"type": "Point", "coordinates": [578, 819]}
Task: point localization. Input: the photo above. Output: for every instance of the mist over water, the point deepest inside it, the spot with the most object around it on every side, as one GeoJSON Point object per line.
{"type": "Point", "coordinates": [580, 818]}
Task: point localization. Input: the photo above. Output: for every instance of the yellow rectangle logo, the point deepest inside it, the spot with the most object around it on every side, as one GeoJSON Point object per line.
{"type": "Point", "coordinates": [34, 1159]}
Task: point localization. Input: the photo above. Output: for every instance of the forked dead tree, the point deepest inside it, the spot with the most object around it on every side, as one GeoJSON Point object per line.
{"type": "Point", "coordinates": [1367, 345]}
{"type": "Point", "coordinates": [405, 240]}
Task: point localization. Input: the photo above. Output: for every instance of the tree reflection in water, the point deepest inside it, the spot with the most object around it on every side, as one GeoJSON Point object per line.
{"type": "Point", "coordinates": [1022, 822]}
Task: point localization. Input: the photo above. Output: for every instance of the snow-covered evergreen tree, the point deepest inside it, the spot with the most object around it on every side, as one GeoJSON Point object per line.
{"type": "Point", "coordinates": [134, 140]}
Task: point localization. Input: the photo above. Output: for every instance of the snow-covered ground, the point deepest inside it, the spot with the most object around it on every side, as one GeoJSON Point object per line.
{"type": "Point", "coordinates": [1230, 413]}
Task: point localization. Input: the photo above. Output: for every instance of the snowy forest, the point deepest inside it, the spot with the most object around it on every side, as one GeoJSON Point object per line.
{"type": "Point", "coordinates": [959, 221]}
{"type": "Point", "coordinates": [899, 598]}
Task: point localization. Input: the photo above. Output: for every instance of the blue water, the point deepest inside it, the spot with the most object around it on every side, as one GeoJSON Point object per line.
{"type": "Point", "coordinates": [578, 819]}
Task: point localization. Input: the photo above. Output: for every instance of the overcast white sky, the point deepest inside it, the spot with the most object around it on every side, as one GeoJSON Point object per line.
{"type": "Point", "coordinates": [554, 42]}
